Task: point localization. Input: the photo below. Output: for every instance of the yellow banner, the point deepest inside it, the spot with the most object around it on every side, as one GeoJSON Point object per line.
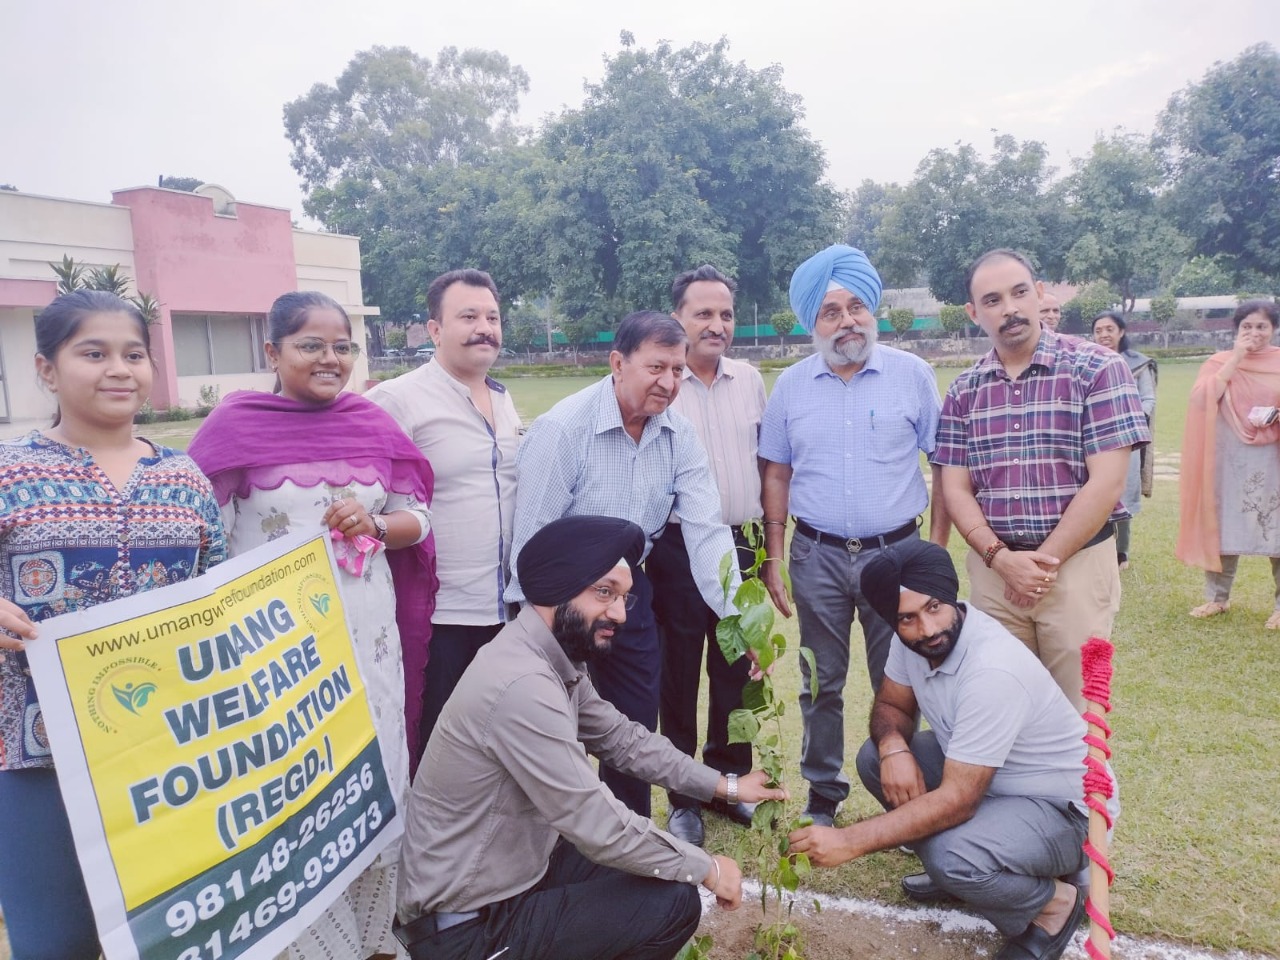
{"type": "Point", "coordinates": [208, 726]}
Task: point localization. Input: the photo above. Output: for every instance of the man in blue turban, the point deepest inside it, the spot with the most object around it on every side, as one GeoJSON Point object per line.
{"type": "Point", "coordinates": [841, 436]}
{"type": "Point", "coordinates": [837, 267]}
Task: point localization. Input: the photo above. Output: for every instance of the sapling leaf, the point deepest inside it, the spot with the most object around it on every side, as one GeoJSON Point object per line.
{"type": "Point", "coordinates": [813, 671]}
{"type": "Point", "coordinates": [753, 695]}
{"type": "Point", "coordinates": [743, 726]}
{"type": "Point", "coordinates": [729, 637]}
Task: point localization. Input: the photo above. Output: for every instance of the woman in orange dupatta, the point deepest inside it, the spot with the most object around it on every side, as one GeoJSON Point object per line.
{"type": "Point", "coordinates": [1231, 460]}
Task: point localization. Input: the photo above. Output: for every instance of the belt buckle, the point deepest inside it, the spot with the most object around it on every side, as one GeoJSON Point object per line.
{"type": "Point", "coordinates": [853, 545]}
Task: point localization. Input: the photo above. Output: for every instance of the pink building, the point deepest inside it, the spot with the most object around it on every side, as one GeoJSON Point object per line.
{"type": "Point", "coordinates": [214, 265]}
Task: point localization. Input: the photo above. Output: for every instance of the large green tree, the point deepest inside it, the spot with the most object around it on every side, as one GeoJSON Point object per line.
{"type": "Point", "coordinates": [865, 210]}
{"type": "Point", "coordinates": [420, 159]}
{"type": "Point", "coordinates": [960, 204]}
{"type": "Point", "coordinates": [1123, 239]}
{"type": "Point", "coordinates": [679, 157]}
{"type": "Point", "coordinates": [1220, 141]}
{"type": "Point", "coordinates": [393, 111]}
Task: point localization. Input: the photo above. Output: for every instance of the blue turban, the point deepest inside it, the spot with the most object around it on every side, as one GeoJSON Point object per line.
{"type": "Point", "coordinates": [843, 264]}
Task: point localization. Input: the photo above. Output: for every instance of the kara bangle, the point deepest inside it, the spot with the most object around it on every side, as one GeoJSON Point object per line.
{"type": "Point", "coordinates": [715, 883]}
{"type": "Point", "coordinates": [731, 788]}
{"type": "Point", "coordinates": [776, 523]}
{"type": "Point", "coordinates": [886, 756]}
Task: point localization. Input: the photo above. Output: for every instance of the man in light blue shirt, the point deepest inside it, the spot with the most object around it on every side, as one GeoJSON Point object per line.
{"type": "Point", "coordinates": [614, 449]}
{"type": "Point", "coordinates": [841, 437]}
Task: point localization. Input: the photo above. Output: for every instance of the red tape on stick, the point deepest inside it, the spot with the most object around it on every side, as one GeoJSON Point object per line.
{"type": "Point", "coordinates": [1095, 669]}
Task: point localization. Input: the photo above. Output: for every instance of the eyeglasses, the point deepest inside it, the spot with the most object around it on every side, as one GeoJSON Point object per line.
{"type": "Point", "coordinates": [313, 348]}
{"type": "Point", "coordinates": [607, 595]}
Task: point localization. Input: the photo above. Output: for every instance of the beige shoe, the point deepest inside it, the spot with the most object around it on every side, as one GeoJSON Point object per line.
{"type": "Point", "coordinates": [1211, 609]}
{"type": "Point", "coordinates": [1273, 621]}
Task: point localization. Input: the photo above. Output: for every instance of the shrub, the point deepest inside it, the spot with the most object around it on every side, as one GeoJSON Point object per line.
{"type": "Point", "coordinates": [147, 414]}
{"type": "Point", "coordinates": [177, 412]}
{"type": "Point", "coordinates": [208, 400]}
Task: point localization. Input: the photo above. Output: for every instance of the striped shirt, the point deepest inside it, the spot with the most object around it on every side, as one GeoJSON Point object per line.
{"type": "Point", "coordinates": [475, 494]}
{"type": "Point", "coordinates": [1025, 441]}
{"type": "Point", "coordinates": [854, 447]}
{"type": "Point", "coordinates": [727, 417]}
{"type": "Point", "coordinates": [577, 460]}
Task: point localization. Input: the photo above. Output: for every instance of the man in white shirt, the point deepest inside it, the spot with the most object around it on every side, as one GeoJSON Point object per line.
{"type": "Point", "coordinates": [724, 399]}
{"type": "Point", "coordinates": [466, 425]}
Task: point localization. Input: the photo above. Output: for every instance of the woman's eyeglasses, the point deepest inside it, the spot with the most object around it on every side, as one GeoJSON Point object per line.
{"type": "Point", "coordinates": [313, 348]}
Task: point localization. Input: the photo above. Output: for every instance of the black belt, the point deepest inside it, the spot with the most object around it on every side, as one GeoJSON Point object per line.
{"type": "Point", "coordinates": [1106, 533]}
{"type": "Point", "coordinates": [429, 924]}
{"type": "Point", "coordinates": [857, 544]}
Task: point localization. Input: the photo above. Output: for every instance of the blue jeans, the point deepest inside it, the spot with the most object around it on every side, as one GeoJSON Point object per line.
{"type": "Point", "coordinates": [46, 905]}
{"type": "Point", "coordinates": [1002, 861]}
{"type": "Point", "coordinates": [826, 580]}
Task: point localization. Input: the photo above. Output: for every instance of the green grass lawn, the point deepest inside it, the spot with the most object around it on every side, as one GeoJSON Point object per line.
{"type": "Point", "coordinates": [1196, 719]}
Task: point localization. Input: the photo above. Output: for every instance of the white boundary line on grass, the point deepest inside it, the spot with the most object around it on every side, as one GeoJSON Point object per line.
{"type": "Point", "coordinates": [957, 921]}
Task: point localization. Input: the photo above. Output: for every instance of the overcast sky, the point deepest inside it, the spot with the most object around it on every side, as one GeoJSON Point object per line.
{"type": "Point", "coordinates": [98, 96]}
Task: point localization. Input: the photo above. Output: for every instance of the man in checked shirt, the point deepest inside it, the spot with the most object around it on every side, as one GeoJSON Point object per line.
{"type": "Point", "coordinates": [616, 450]}
{"type": "Point", "coordinates": [1034, 443]}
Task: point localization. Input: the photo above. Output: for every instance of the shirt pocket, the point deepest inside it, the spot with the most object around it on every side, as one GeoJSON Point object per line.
{"type": "Point", "coordinates": [892, 437]}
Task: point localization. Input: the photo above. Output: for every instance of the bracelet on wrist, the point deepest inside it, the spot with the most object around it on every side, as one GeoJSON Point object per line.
{"type": "Point", "coordinates": [776, 523]}
{"type": "Point", "coordinates": [989, 554]}
{"type": "Point", "coordinates": [716, 882]}
{"type": "Point", "coordinates": [731, 788]}
{"type": "Point", "coordinates": [885, 756]}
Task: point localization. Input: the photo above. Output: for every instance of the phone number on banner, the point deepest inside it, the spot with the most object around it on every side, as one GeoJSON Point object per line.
{"type": "Point", "coordinates": [224, 911]}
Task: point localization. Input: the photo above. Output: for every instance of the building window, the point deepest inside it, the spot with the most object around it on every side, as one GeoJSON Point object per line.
{"type": "Point", "coordinates": [212, 344]}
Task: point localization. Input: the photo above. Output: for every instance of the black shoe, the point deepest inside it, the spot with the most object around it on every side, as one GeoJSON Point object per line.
{"type": "Point", "coordinates": [740, 813]}
{"type": "Point", "coordinates": [921, 888]}
{"type": "Point", "coordinates": [685, 823]}
{"type": "Point", "coordinates": [822, 810]}
{"type": "Point", "coordinates": [1035, 944]}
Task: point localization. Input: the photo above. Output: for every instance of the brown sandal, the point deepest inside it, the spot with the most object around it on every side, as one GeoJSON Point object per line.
{"type": "Point", "coordinates": [1211, 609]}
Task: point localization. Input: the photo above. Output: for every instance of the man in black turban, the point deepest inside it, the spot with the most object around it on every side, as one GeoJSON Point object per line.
{"type": "Point", "coordinates": [990, 796]}
{"type": "Point", "coordinates": [512, 842]}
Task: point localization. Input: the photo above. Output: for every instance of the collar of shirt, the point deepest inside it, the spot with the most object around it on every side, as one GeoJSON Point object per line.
{"type": "Point", "coordinates": [609, 415]}
{"type": "Point", "coordinates": [723, 369]}
{"type": "Point", "coordinates": [873, 362]}
{"type": "Point", "coordinates": [546, 645]}
{"type": "Point", "coordinates": [436, 369]}
{"type": "Point", "coordinates": [1044, 357]}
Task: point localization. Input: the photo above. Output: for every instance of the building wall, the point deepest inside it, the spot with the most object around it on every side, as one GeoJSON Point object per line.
{"type": "Point", "coordinates": [34, 232]}
{"type": "Point", "coordinates": [195, 253]}
{"type": "Point", "coordinates": [194, 260]}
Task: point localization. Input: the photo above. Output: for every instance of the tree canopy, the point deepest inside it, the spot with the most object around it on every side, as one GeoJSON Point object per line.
{"type": "Point", "coordinates": [1220, 141]}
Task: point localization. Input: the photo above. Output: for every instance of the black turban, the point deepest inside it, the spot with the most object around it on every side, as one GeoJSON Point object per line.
{"type": "Point", "coordinates": [568, 555]}
{"type": "Point", "coordinates": [917, 565]}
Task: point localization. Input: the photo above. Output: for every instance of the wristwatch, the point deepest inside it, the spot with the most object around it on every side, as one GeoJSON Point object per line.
{"type": "Point", "coordinates": [379, 526]}
{"type": "Point", "coordinates": [731, 788]}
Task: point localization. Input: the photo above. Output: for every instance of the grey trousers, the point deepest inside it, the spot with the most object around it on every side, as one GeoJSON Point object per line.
{"type": "Point", "coordinates": [1003, 861]}
{"type": "Point", "coordinates": [826, 582]}
{"type": "Point", "coordinates": [1217, 586]}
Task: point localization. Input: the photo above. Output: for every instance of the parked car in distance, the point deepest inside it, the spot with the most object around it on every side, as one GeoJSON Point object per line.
{"type": "Point", "coordinates": [425, 352]}
{"type": "Point", "coordinates": [507, 352]}
{"type": "Point", "coordinates": [392, 352]}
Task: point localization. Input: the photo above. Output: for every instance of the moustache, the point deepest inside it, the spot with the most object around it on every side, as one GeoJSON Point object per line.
{"type": "Point", "coordinates": [712, 336]}
{"type": "Point", "coordinates": [482, 338]}
{"type": "Point", "coordinates": [1013, 322]}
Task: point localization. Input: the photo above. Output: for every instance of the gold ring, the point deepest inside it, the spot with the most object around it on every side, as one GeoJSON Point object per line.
{"type": "Point", "coordinates": [1037, 589]}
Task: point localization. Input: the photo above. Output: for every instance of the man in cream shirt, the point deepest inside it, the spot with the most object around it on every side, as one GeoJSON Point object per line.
{"type": "Point", "coordinates": [466, 425]}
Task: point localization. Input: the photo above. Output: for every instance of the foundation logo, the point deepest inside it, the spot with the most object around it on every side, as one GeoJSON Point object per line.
{"type": "Point", "coordinates": [314, 601]}
{"type": "Point", "coordinates": [121, 692]}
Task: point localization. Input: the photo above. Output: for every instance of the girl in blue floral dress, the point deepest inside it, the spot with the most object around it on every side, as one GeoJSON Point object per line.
{"type": "Point", "coordinates": [88, 513]}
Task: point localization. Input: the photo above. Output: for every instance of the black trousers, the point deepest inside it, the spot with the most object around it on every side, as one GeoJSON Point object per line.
{"type": "Point", "coordinates": [685, 623]}
{"type": "Point", "coordinates": [579, 910]}
{"type": "Point", "coordinates": [453, 647]}
{"type": "Point", "coordinates": [628, 678]}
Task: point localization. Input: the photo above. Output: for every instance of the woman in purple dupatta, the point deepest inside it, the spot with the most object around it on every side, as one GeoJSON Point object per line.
{"type": "Point", "coordinates": [311, 457]}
